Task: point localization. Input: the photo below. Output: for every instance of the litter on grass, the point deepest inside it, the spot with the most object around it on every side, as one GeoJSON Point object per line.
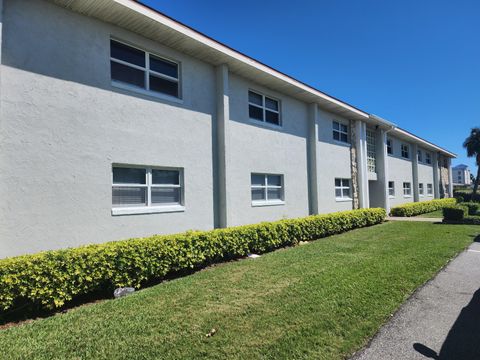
{"type": "Point", "coordinates": [253, 256]}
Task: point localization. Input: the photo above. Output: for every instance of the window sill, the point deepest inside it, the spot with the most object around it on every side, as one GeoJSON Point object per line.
{"type": "Point", "coordinates": [265, 124]}
{"type": "Point", "coordinates": [391, 197]}
{"type": "Point", "coordinates": [407, 196]}
{"type": "Point", "coordinates": [343, 199]}
{"type": "Point", "coordinates": [147, 210]}
{"type": "Point", "coordinates": [342, 143]}
{"type": "Point", "coordinates": [149, 93]}
{"type": "Point", "coordinates": [268, 203]}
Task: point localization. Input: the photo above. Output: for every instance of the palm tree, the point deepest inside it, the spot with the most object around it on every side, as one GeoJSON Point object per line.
{"type": "Point", "coordinates": [472, 144]}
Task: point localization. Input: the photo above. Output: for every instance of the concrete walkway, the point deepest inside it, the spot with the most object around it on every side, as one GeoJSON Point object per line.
{"type": "Point", "coordinates": [413, 218]}
{"type": "Point", "coordinates": [443, 318]}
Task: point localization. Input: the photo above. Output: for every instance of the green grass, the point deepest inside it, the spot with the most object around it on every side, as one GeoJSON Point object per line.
{"type": "Point", "coordinates": [323, 300]}
{"type": "Point", "coordinates": [433, 214]}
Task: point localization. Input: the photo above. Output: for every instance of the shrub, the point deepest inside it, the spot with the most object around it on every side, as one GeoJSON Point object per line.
{"type": "Point", "coordinates": [459, 198]}
{"type": "Point", "coordinates": [472, 207]}
{"type": "Point", "coordinates": [422, 207]}
{"type": "Point", "coordinates": [455, 213]}
{"type": "Point", "coordinates": [467, 196]}
{"type": "Point", "coordinates": [50, 279]}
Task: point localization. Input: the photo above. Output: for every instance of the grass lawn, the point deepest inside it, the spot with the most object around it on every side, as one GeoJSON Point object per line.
{"type": "Point", "coordinates": [323, 300]}
{"type": "Point", "coordinates": [433, 214]}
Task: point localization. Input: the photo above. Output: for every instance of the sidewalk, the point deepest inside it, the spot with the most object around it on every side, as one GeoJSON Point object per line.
{"type": "Point", "coordinates": [441, 318]}
{"type": "Point", "coordinates": [413, 218]}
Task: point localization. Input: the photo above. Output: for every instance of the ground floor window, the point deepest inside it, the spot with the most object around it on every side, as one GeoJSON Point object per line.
{"type": "Point", "coordinates": [146, 187]}
{"type": "Point", "coordinates": [429, 189]}
{"type": "Point", "coordinates": [391, 189]}
{"type": "Point", "coordinates": [267, 189]}
{"type": "Point", "coordinates": [407, 189]}
{"type": "Point", "coordinates": [420, 190]}
{"type": "Point", "coordinates": [342, 189]}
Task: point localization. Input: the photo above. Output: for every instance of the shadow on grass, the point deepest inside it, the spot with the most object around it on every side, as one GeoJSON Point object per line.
{"type": "Point", "coordinates": [462, 339]}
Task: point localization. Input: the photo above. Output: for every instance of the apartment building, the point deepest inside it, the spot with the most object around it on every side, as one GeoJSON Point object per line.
{"type": "Point", "coordinates": [461, 175]}
{"type": "Point", "coordinates": [118, 121]}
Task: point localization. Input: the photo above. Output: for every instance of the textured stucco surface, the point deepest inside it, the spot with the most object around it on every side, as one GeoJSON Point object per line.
{"type": "Point", "coordinates": [399, 171]}
{"type": "Point", "coordinates": [258, 148]}
{"type": "Point", "coordinates": [63, 125]}
{"type": "Point", "coordinates": [333, 162]}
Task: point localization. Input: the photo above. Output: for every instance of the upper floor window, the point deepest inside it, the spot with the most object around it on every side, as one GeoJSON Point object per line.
{"type": "Point", "coordinates": [142, 70]}
{"type": "Point", "coordinates": [405, 151]}
{"type": "Point", "coordinates": [428, 158]}
{"type": "Point", "coordinates": [419, 156]}
{"type": "Point", "coordinates": [139, 187]}
{"type": "Point", "coordinates": [267, 189]}
{"type": "Point", "coordinates": [340, 132]}
{"type": "Point", "coordinates": [263, 108]}
{"type": "Point", "coordinates": [342, 189]}
{"type": "Point", "coordinates": [389, 147]}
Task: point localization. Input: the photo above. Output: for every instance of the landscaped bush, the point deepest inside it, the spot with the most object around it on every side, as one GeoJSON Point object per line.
{"type": "Point", "coordinates": [472, 207]}
{"type": "Point", "coordinates": [467, 196]}
{"type": "Point", "coordinates": [422, 207]}
{"type": "Point", "coordinates": [455, 213]}
{"type": "Point", "coordinates": [52, 278]}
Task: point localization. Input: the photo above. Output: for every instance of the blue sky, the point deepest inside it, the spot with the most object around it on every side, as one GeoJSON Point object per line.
{"type": "Point", "coordinates": [415, 63]}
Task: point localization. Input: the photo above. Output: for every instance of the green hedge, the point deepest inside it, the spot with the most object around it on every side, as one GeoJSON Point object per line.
{"type": "Point", "coordinates": [52, 278]}
{"type": "Point", "coordinates": [455, 213]}
{"type": "Point", "coordinates": [472, 207]}
{"type": "Point", "coordinates": [422, 207]}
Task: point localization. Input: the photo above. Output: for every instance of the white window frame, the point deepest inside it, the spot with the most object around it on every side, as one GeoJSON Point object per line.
{"type": "Point", "coordinates": [147, 72]}
{"type": "Point", "coordinates": [428, 158]}
{"type": "Point", "coordinates": [391, 189]}
{"type": "Point", "coordinates": [389, 146]}
{"type": "Point", "coordinates": [421, 190]}
{"type": "Point", "coordinates": [409, 188]}
{"type": "Point", "coordinates": [150, 208]}
{"type": "Point", "coordinates": [264, 109]}
{"type": "Point", "coordinates": [405, 149]}
{"type": "Point", "coordinates": [429, 189]}
{"type": "Point", "coordinates": [342, 187]}
{"type": "Point", "coordinates": [340, 132]}
{"type": "Point", "coordinates": [265, 188]}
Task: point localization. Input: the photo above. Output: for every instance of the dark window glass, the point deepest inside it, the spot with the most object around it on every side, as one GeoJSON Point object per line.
{"type": "Point", "coordinates": [336, 135]}
{"type": "Point", "coordinates": [129, 196]}
{"type": "Point", "coordinates": [338, 182]}
{"type": "Point", "coordinates": [165, 177]}
{"type": "Point", "coordinates": [338, 193]}
{"type": "Point", "coordinates": [255, 112]}
{"type": "Point", "coordinates": [126, 53]}
{"type": "Point", "coordinates": [164, 66]}
{"type": "Point", "coordinates": [258, 180]}
{"type": "Point", "coordinates": [258, 194]}
{"type": "Point", "coordinates": [127, 74]}
{"type": "Point", "coordinates": [271, 104]}
{"type": "Point", "coordinates": [162, 195]}
{"type": "Point", "coordinates": [275, 194]}
{"type": "Point", "coordinates": [163, 86]}
{"type": "Point", "coordinates": [272, 117]}
{"type": "Point", "coordinates": [275, 180]}
{"type": "Point", "coordinates": [255, 98]}
{"type": "Point", "coordinates": [343, 137]}
{"type": "Point", "coordinates": [343, 128]}
{"type": "Point", "coordinates": [128, 176]}
{"type": "Point", "coordinates": [336, 126]}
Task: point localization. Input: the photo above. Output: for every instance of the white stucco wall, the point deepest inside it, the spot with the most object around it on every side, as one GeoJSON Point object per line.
{"type": "Point", "coordinates": [399, 171]}
{"type": "Point", "coordinates": [254, 147]}
{"type": "Point", "coordinates": [425, 176]}
{"type": "Point", "coordinates": [333, 160]}
{"type": "Point", "coordinates": [63, 125]}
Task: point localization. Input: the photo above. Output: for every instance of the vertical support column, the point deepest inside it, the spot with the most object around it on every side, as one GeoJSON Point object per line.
{"type": "Point", "coordinates": [450, 178]}
{"type": "Point", "coordinates": [312, 142]}
{"type": "Point", "coordinates": [221, 146]}
{"type": "Point", "coordinates": [382, 167]}
{"type": "Point", "coordinates": [416, 196]}
{"type": "Point", "coordinates": [436, 183]}
{"type": "Point", "coordinates": [353, 164]}
{"type": "Point", "coordinates": [361, 147]}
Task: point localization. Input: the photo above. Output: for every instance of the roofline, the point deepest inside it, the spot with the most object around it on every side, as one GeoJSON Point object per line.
{"type": "Point", "coordinates": [277, 73]}
{"type": "Point", "coordinates": [428, 143]}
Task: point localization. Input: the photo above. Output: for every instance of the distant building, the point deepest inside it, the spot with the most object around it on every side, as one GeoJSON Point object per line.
{"type": "Point", "coordinates": [461, 175]}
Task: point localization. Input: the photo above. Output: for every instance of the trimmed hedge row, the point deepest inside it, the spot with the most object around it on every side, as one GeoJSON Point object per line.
{"type": "Point", "coordinates": [52, 278]}
{"type": "Point", "coordinates": [422, 207]}
{"type": "Point", "coordinates": [467, 196]}
{"type": "Point", "coordinates": [455, 213]}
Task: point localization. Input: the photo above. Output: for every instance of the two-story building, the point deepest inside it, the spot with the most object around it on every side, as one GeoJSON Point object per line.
{"type": "Point", "coordinates": [117, 121]}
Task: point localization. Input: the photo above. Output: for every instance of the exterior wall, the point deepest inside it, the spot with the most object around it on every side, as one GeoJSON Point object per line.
{"type": "Point", "coordinates": [399, 171]}
{"type": "Point", "coordinates": [425, 176]}
{"type": "Point", "coordinates": [333, 162]}
{"type": "Point", "coordinates": [255, 147]}
{"type": "Point", "coordinates": [63, 125]}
